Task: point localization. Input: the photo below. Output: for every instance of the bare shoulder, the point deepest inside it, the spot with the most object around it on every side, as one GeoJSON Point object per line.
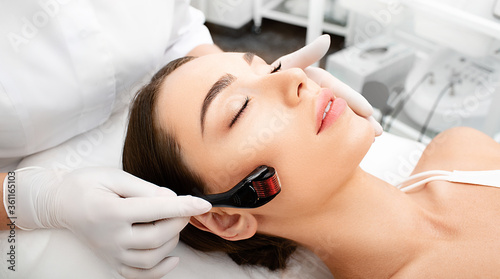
{"type": "Point", "coordinates": [471, 212]}
{"type": "Point", "coordinates": [460, 148]}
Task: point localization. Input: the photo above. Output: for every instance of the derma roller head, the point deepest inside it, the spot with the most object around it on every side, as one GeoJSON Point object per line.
{"type": "Point", "coordinates": [255, 190]}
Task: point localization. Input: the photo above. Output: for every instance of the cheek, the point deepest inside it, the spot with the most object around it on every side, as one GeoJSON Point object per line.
{"type": "Point", "coordinates": [348, 143]}
{"type": "Point", "coordinates": [257, 140]}
{"type": "Point", "coordinates": [312, 169]}
{"type": "Point", "coordinates": [269, 129]}
{"type": "Point", "coordinates": [264, 138]}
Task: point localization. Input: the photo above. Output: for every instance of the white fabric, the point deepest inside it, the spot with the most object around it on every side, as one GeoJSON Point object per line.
{"type": "Point", "coordinates": [67, 65]}
{"type": "Point", "coordinates": [392, 158]}
{"type": "Point", "coordinates": [488, 178]}
{"type": "Point", "coordinates": [52, 254]}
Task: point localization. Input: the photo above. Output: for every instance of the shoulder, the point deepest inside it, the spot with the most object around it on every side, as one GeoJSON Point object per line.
{"type": "Point", "coordinates": [462, 141]}
{"type": "Point", "coordinates": [460, 148]}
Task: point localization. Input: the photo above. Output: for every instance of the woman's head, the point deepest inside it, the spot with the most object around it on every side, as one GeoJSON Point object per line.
{"type": "Point", "coordinates": [203, 124]}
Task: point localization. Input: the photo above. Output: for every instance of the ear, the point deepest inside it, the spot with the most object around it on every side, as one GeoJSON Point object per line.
{"type": "Point", "coordinates": [236, 226]}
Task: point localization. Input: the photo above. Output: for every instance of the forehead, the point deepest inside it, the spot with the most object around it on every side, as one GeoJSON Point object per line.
{"type": "Point", "coordinates": [182, 93]}
{"type": "Point", "coordinates": [186, 87]}
{"type": "Point", "coordinates": [200, 73]}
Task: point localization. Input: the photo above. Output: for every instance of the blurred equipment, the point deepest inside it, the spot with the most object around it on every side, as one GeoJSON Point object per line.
{"type": "Point", "coordinates": [228, 13]}
{"type": "Point", "coordinates": [316, 15]}
{"type": "Point", "coordinates": [453, 75]}
{"type": "Point", "coordinates": [374, 68]}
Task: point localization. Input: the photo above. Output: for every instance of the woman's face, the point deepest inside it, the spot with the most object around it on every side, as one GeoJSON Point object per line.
{"type": "Point", "coordinates": [231, 113]}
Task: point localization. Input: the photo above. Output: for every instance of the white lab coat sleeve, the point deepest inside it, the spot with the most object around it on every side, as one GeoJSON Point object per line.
{"type": "Point", "coordinates": [188, 31]}
{"type": "Point", "coordinates": [11, 136]}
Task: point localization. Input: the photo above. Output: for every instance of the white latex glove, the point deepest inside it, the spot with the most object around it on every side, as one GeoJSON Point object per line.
{"type": "Point", "coordinates": [131, 223]}
{"type": "Point", "coordinates": [313, 52]}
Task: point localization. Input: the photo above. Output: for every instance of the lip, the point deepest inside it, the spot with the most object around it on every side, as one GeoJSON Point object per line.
{"type": "Point", "coordinates": [336, 109]}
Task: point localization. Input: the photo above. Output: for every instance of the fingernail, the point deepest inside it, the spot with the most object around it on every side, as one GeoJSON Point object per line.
{"type": "Point", "coordinates": [174, 260]}
{"type": "Point", "coordinates": [380, 130]}
{"type": "Point", "coordinates": [172, 263]}
{"type": "Point", "coordinates": [162, 191]}
{"type": "Point", "coordinates": [201, 204]}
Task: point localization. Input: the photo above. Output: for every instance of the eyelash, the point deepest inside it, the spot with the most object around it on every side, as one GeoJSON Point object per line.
{"type": "Point", "coordinates": [247, 100]}
{"type": "Point", "coordinates": [277, 68]}
{"type": "Point", "coordinates": [240, 112]}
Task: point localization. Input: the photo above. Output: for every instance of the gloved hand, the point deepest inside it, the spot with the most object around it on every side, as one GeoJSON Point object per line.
{"type": "Point", "coordinates": [311, 53]}
{"type": "Point", "coordinates": [131, 223]}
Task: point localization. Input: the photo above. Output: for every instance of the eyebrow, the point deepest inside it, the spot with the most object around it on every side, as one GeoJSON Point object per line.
{"type": "Point", "coordinates": [222, 83]}
{"type": "Point", "coordinates": [248, 56]}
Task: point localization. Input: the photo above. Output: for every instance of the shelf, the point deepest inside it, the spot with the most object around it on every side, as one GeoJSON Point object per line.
{"type": "Point", "coordinates": [276, 10]}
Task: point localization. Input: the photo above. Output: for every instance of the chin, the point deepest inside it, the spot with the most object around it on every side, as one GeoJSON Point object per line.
{"type": "Point", "coordinates": [361, 137]}
{"type": "Point", "coordinates": [368, 137]}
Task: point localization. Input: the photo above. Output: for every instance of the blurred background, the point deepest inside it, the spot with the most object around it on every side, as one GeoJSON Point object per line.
{"type": "Point", "coordinates": [270, 29]}
{"type": "Point", "coordinates": [424, 65]}
{"type": "Point", "coordinates": [276, 38]}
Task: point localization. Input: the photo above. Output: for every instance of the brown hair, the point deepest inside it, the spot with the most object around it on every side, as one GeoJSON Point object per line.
{"type": "Point", "coordinates": [153, 154]}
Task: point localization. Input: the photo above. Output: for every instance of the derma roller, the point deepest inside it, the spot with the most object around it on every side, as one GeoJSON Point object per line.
{"type": "Point", "coordinates": [255, 190]}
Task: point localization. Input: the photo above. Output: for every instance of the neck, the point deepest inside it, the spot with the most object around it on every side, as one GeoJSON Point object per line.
{"type": "Point", "coordinates": [370, 229]}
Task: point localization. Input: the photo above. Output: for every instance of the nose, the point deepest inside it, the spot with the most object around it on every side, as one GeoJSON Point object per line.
{"type": "Point", "coordinates": [288, 84]}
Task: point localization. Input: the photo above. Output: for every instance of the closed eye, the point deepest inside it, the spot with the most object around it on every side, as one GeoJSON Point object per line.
{"type": "Point", "coordinates": [276, 69]}
{"type": "Point", "coordinates": [240, 112]}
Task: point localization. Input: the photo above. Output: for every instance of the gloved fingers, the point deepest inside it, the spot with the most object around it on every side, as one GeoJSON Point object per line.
{"type": "Point", "coordinates": [160, 270]}
{"type": "Point", "coordinates": [156, 234]}
{"type": "Point", "coordinates": [145, 210]}
{"type": "Point", "coordinates": [376, 126]}
{"type": "Point", "coordinates": [127, 185]}
{"type": "Point", "coordinates": [355, 100]}
{"type": "Point", "coordinates": [305, 56]}
{"type": "Point", "coordinates": [148, 258]}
